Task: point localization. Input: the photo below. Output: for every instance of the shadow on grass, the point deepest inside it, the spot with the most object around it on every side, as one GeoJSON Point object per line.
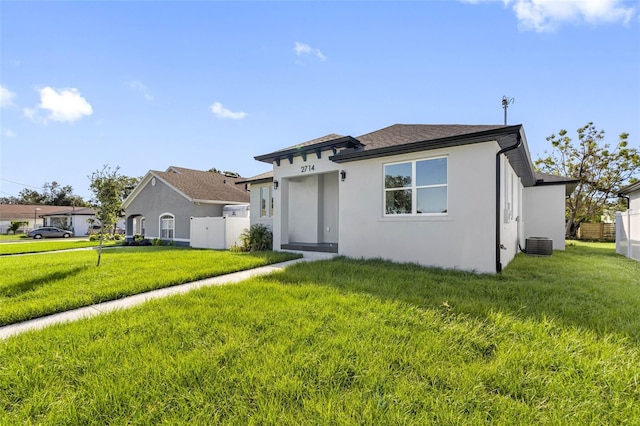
{"type": "Point", "coordinates": [21, 287]}
{"type": "Point", "coordinates": [584, 287]}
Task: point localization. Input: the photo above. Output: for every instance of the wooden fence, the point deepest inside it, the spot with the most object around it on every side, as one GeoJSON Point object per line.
{"type": "Point", "coordinates": [597, 231]}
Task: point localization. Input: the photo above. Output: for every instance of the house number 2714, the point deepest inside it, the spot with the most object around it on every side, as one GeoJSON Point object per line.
{"type": "Point", "coordinates": [308, 168]}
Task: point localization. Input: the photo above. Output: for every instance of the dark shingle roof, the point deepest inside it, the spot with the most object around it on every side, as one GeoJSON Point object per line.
{"type": "Point", "coordinates": [201, 185]}
{"type": "Point", "coordinates": [326, 138]}
{"type": "Point", "coordinates": [257, 178]}
{"type": "Point", "coordinates": [404, 138]}
{"type": "Point", "coordinates": [402, 134]}
{"type": "Point", "coordinates": [543, 179]}
{"type": "Point", "coordinates": [548, 179]}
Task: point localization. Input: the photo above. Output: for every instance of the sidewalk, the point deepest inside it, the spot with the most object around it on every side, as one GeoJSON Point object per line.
{"type": "Point", "coordinates": [127, 302]}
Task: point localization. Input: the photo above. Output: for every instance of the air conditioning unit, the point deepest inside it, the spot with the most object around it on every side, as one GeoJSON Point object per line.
{"type": "Point", "coordinates": [539, 246]}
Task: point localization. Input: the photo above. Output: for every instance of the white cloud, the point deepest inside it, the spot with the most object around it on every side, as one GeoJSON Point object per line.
{"type": "Point", "coordinates": [8, 133]}
{"type": "Point", "coordinates": [30, 113]}
{"type": "Point", "coordinates": [138, 86]}
{"type": "Point", "coordinates": [305, 49]}
{"type": "Point", "coordinates": [6, 97]}
{"type": "Point", "coordinates": [63, 104]}
{"type": "Point", "coordinates": [548, 15]}
{"type": "Point", "coordinates": [221, 112]}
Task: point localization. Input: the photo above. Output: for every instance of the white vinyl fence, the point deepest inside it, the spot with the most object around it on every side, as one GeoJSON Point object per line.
{"type": "Point", "coordinates": [628, 234]}
{"type": "Point", "coordinates": [217, 232]}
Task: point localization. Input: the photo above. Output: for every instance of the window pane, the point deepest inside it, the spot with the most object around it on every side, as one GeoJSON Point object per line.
{"type": "Point", "coordinates": [431, 172]}
{"type": "Point", "coordinates": [166, 227]}
{"type": "Point", "coordinates": [264, 196]}
{"type": "Point", "coordinates": [398, 202]}
{"type": "Point", "coordinates": [432, 200]}
{"type": "Point", "coordinates": [397, 175]}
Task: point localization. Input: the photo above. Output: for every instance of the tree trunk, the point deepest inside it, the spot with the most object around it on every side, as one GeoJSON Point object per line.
{"type": "Point", "coordinates": [569, 231]}
{"type": "Point", "coordinates": [99, 249]}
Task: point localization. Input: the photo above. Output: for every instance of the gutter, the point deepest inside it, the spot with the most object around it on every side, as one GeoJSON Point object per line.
{"type": "Point", "coordinates": [498, 175]}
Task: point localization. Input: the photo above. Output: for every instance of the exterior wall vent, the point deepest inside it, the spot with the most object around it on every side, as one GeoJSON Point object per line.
{"type": "Point", "coordinates": [539, 246]}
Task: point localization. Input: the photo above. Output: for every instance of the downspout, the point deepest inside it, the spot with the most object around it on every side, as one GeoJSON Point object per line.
{"type": "Point", "coordinates": [629, 246]}
{"type": "Point", "coordinates": [498, 174]}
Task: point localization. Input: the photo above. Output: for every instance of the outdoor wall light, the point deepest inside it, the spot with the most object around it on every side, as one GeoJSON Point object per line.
{"type": "Point", "coordinates": [275, 184]}
{"type": "Point", "coordinates": [343, 175]}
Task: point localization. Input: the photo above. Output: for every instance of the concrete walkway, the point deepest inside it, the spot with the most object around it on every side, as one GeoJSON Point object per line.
{"type": "Point", "coordinates": [127, 302]}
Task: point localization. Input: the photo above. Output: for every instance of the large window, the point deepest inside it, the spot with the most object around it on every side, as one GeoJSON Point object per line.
{"type": "Point", "coordinates": [167, 224]}
{"type": "Point", "coordinates": [416, 187]}
{"type": "Point", "coordinates": [266, 202]}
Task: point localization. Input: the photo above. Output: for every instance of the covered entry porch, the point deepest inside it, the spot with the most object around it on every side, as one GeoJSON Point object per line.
{"type": "Point", "coordinates": [309, 213]}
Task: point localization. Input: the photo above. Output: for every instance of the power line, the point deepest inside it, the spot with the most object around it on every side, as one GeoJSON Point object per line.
{"type": "Point", "coordinates": [18, 183]}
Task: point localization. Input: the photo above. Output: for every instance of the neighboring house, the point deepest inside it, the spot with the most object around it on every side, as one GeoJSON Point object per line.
{"type": "Point", "coordinates": [628, 223]}
{"type": "Point", "coordinates": [76, 219]}
{"type": "Point", "coordinates": [261, 193]}
{"type": "Point", "coordinates": [163, 203]}
{"type": "Point", "coordinates": [32, 214]}
{"type": "Point", "coordinates": [453, 196]}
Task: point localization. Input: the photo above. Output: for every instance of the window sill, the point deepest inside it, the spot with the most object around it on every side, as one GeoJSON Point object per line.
{"type": "Point", "coordinates": [416, 218]}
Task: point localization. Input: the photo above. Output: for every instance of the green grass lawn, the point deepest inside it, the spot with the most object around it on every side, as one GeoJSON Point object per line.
{"type": "Point", "coordinates": [550, 341]}
{"type": "Point", "coordinates": [39, 246]}
{"type": "Point", "coordinates": [42, 284]}
{"type": "Point", "coordinates": [13, 237]}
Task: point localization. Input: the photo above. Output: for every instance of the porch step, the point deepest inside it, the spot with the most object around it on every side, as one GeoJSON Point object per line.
{"type": "Point", "coordinates": [319, 247]}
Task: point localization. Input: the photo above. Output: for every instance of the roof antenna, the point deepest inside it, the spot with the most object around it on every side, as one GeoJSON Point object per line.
{"type": "Point", "coordinates": [505, 104]}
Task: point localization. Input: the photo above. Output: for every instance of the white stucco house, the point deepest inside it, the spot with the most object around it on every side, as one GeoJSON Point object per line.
{"type": "Point", "coordinates": [452, 196]}
{"type": "Point", "coordinates": [628, 223]}
{"type": "Point", "coordinates": [31, 214]}
{"type": "Point", "coordinates": [77, 219]}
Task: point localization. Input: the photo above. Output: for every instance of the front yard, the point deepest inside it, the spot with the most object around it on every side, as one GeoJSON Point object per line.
{"type": "Point", "coordinates": [550, 341]}
{"type": "Point", "coordinates": [43, 284]}
{"type": "Point", "coordinates": [44, 245]}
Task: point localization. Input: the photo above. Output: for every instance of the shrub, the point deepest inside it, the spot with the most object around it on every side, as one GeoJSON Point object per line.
{"type": "Point", "coordinates": [257, 238]}
{"type": "Point", "coordinates": [137, 242]}
{"type": "Point", "coordinates": [15, 225]}
{"type": "Point", "coordinates": [236, 248]}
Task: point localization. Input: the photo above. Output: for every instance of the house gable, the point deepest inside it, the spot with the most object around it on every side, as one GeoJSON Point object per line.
{"type": "Point", "coordinates": [181, 194]}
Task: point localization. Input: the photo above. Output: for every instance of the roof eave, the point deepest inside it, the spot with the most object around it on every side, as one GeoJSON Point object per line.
{"type": "Point", "coordinates": [254, 181]}
{"type": "Point", "coordinates": [630, 188]}
{"type": "Point", "coordinates": [342, 142]}
{"type": "Point", "coordinates": [219, 202]}
{"type": "Point", "coordinates": [446, 142]}
{"type": "Point", "coordinates": [570, 185]}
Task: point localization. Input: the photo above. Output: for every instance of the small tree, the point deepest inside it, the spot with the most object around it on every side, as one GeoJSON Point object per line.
{"type": "Point", "coordinates": [106, 185]}
{"type": "Point", "coordinates": [600, 171]}
{"type": "Point", "coordinates": [15, 225]}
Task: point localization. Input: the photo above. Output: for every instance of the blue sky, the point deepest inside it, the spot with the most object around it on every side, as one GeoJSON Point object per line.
{"type": "Point", "coordinates": [145, 85]}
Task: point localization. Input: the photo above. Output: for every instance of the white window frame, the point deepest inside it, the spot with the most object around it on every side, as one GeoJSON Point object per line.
{"type": "Point", "coordinates": [414, 189]}
{"type": "Point", "coordinates": [268, 201]}
{"type": "Point", "coordinates": [173, 228]}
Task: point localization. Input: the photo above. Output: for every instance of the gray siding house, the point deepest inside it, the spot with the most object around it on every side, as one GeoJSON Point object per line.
{"type": "Point", "coordinates": [453, 196]}
{"type": "Point", "coordinates": [163, 203]}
